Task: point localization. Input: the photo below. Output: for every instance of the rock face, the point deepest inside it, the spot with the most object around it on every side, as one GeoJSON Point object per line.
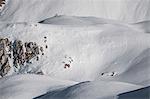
{"type": "Point", "coordinates": [2, 2]}
{"type": "Point", "coordinates": [20, 53]}
{"type": "Point", "coordinates": [32, 50]}
{"type": "Point", "coordinates": [4, 56]}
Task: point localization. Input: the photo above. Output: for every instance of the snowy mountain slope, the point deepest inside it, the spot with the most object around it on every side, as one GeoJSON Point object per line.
{"type": "Point", "coordinates": [138, 71]}
{"type": "Point", "coordinates": [123, 10]}
{"type": "Point", "coordinates": [78, 49]}
{"type": "Point", "coordinates": [91, 90]}
{"type": "Point", "coordinates": [142, 93]}
{"type": "Point", "coordinates": [29, 86]}
{"type": "Point", "coordinates": [71, 49]}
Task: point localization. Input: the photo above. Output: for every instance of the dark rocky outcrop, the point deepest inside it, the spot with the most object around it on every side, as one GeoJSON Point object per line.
{"type": "Point", "coordinates": [20, 53]}
{"type": "Point", "coordinates": [2, 2]}
{"type": "Point", "coordinates": [5, 50]}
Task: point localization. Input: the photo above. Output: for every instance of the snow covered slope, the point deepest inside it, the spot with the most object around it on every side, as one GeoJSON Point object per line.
{"type": "Point", "coordinates": [138, 71]}
{"type": "Point", "coordinates": [37, 10]}
{"type": "Point", "coordinates": [79, 49]}
{"type": "Point", "coordinates": [73, 49]}
{"type": "Point", "coordinates": [97, 51]}
{"type": "Point", "coordinates": [29, 86]}
{"type": "Point", "coordinates": [91, 90]}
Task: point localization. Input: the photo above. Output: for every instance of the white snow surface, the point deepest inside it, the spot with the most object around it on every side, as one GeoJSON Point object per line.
{"type": "Point", "coordinates": [29, 86]}
{"type": "Point", "coordinates": [107, 55]}
{"type": "Point", "coordinates": [91, 90]}
{"type": "Point", "coordinates": [37, 10]}
{"type": "Point", "coordinates": [115, 49]}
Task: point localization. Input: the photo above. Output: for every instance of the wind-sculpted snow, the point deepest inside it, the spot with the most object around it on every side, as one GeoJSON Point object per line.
{"type": "Point", "coordinates": [106, 53]}
{"type": "Point", "coordinates": [37, 10]}
{"type": "Point", "coordinates": [69, 49]}
{"type": "Point", "coordinates": [91, 90]}
{"type": "Point", "coordinates": [137, 72]}
{"type": "Point", "coordinates": [29, 86]}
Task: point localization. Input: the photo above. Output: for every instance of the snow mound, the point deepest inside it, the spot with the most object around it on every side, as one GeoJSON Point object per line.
{"type": "Point", "coordinates": [138, 70]}
{"type": "Point", "coordinates": [104, 53]}
{"type": "Point", "coordinates": [29, 86]}
{"type": "Point", "coordinates": [79, 50]}
{"type": "Point", "coordinates": [91, 90]}
{"type": "Point", "coordinates": [76, 21]}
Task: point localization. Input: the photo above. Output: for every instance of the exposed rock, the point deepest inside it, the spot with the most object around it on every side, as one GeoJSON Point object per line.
{"type": "Point", "coordinates": [40, 73]}
{"type": "Point", "coordinates": [46, 46]}
{"type": "Point", "coordinates": [32, 50]}
{"type": "Point", "coordinates": [18, 54]}
{"type": "Point", "coordinates": [4, 62]}
{"type": "Point", "coordinates": [67, 66]}
{"type": "Point", "coordinates": [2, 2]}
{"type": "Point", "coordinates": [67, 62]}
{"type": "Point", "coordinates": [21, 54]}
{"type": "Point", "coordinates": [109, 74]}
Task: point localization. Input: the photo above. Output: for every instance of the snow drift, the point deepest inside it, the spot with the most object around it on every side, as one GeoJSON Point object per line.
{"type": "Point", "coordinates": [91, 90]}
{"type": "Point", "coordinates": [29, 86]}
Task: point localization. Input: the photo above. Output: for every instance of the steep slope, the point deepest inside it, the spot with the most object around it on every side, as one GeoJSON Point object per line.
{"type": "Point", "coordinates": [2, 2]}
{"type": "Point", "coordinates": [123, 10]}
{"type": "Point", "coordinates": [137, 72]}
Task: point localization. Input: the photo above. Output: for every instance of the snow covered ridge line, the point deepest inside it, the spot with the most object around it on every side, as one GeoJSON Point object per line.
{"type": "Point", "coordinates": [16, 54]}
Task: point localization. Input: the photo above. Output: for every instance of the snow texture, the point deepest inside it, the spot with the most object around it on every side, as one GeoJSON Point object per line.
{"type": "Point", "coordinates": [90, 49]}
{"type": "Point", "coordinates": [36, 10]}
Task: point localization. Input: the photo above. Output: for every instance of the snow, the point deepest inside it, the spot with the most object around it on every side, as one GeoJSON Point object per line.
{"type": "Point", "coordinates": [143, 26]}
{"type": "Point", "coordinates": [88, 46]}
{"type": "Point", "coordinates": [123, 10]}
{"type": "Point", "coordinates": [29, 86]}
{"type": "Point", "coordinates": [91, 90]}
{"type": "Point", "coordinates": [93, 49]}
{"type": "Point", "coordinates": [140, 68]}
